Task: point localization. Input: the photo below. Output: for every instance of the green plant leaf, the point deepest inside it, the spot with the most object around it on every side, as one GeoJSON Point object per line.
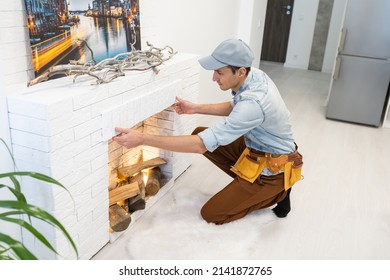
{"type": "Point", "coordinates": [16, 183]}
{"type": "Point", "coordinates": [9, 151]}
{"type": "Point", "coordinates": [17, 247]}
{"type": "Point", "coordinates": [30, 228]}
{"type": "Point", "coordinates": [10, 213]}
{"type": "Point", "coordinates": [3, 253]}
{"type": "Point", "coordinates": [39, 214]}
{"type": "Point", "coordinates": [19, 196]}
{"type": "Point", "coordinates": [35, 175]}
{"type": "Point", "coordinates": [14, 213]}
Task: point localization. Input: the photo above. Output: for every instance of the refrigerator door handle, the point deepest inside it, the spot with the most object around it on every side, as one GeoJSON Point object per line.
{"type": "Point", "coordinates": [342, 39]}
{"type": "Point", "coordinates": [337, 68]}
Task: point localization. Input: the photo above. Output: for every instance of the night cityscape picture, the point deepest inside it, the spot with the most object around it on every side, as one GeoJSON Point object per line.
{"type": "Point", "coordinates": [109, 27]}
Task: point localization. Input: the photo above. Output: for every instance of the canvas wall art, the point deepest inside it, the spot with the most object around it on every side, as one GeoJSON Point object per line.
{"type": "Point", "coordinates": [81, 30]}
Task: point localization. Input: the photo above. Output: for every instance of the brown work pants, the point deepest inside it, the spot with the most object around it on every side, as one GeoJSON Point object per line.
{"type": "Point", "coordinates": [240, 197]}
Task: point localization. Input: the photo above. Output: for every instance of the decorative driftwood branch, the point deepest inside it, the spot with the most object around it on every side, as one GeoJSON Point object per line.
{"type": "Point", "coordinates": [111, 68]}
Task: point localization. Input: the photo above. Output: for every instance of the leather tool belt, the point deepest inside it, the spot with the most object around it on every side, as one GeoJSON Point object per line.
{"type": "Point", "coordinates": [251, 164]}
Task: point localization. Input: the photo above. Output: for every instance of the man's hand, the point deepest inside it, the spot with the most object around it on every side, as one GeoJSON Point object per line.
{"type": "Point", "coordinates": [127, 137]}
{"type": "Point", "coordinates": [182, 106]}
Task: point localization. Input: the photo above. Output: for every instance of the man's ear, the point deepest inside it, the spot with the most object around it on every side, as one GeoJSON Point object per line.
{"type": "Point", "coordinates": [241, 72]}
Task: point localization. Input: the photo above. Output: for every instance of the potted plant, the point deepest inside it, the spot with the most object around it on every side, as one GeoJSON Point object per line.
{"type": "Point", "coordinates": [19, 208]}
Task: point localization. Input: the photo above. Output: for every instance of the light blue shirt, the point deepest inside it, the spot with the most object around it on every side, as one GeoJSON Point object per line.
{"type": "Point", "coordinates": [259, 114]}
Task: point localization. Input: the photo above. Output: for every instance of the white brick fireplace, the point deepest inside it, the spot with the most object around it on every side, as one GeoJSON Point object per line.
{"type": "Point", "coordinates": [61, 129]}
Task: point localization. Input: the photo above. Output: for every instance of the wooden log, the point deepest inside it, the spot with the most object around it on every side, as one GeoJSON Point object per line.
{"type": "Point", "coordinates": [123, 192]}
{"type": "Point", "coordinates": [129, 171]}
{"type": "Point", "coordinates": [119, 218]}
{"type": "Point", "coordinates": [136, 203]}
{"type": "Point", "coordinates": [139, 178]}
{"type": "Point", "coordinates": [153, 184]}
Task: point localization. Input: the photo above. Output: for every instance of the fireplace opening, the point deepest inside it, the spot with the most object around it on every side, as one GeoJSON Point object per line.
{"type": "Point", "coordinates": [137, 174]}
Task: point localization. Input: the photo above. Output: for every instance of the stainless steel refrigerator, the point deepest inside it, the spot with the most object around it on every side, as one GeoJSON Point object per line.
{"type": "Point", "coordinates": [360, 86]}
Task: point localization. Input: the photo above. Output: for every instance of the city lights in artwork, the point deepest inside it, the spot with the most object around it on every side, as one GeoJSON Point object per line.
{"type": "Point", "coordinates": [108, 26]}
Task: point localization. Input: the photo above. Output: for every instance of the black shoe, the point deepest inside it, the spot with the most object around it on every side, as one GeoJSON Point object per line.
{"type": "Point", "coordinates": [284, 207]}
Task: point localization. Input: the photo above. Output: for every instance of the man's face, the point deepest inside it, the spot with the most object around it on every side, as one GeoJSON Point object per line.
{"type": "Point", "coordinates": [227, 80]}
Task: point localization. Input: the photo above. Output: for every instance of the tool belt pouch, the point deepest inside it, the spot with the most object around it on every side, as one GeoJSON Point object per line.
{"type": "Point", "coordinates": [292, 173]}
{"type": "Point", "coordinates": [247, 168]}
{"type": "Point", "coordinates": [276, 163]}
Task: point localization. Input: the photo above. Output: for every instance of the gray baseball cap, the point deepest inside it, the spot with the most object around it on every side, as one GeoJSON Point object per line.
{"type": "Point", "coordinates": [234, 52]}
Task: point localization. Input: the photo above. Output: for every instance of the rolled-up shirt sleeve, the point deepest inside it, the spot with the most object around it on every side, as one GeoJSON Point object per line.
{"type": "Point", "coordinates": [245, 115]}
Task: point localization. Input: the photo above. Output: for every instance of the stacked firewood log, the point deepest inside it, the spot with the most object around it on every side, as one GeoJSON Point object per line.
{"type": "Point", "coordinates": [132, 192]}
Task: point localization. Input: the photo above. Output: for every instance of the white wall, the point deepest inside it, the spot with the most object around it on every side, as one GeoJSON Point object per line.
{"type": "Point", "coordinates": [15, 53]}
{"type": "Point", "coordinates": [5, 162]}
{"type": "Point", "coordinates": [199, 26]}
{"type": "Point", "coordinates": [13, 70]}
{"type": "Point", "coordinates": [251, 25]}
{"type": "Point", "coordinates": [302, 31]}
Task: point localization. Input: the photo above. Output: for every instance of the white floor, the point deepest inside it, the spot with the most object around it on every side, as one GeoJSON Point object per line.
{"type": "Point", "coordinates": [341, 210]}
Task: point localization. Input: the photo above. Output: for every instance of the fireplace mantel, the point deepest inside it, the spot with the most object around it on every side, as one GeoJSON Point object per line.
{"type": "Point", "coordinates": [61, 128]}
